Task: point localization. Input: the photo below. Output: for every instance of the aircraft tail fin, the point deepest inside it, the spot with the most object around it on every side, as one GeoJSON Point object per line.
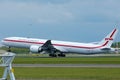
{"type": "Point", "coordinates": [108, 40]}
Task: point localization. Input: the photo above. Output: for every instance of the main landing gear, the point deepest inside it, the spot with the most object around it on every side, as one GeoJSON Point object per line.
{"type": "Point", "coordinates": [9, 50]}
{"type": "Point", "coordinates": [59, 55]}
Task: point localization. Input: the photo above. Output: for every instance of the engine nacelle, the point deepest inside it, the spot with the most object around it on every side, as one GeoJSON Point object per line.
{"type": "Point", "coordinates": [35, 49]}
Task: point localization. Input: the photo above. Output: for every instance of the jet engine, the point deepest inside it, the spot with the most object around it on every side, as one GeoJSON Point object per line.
{"type": "Point", "coordinates": [35, 49]}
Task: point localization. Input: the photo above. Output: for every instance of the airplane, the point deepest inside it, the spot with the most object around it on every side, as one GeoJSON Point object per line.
{"type": "Point", "coordinates": [57, 48]}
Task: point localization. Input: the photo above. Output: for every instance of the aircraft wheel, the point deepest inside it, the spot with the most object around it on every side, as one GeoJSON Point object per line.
{"type": "Point", "coordinates": [52, 55]}
{"type": "Point", "coordinates": [61, 55]}
{"type": "Point", "coordinates": [64, 55]}
{"type": "Point", "coordinates": [8, 50]}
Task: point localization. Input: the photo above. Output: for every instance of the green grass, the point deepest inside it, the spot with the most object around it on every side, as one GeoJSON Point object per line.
{"type": "Point", "coordinates": [81, 60]}
{"type": "Point", "coordinates": [67, 73]}
{"type": "Point", "coordinates": [17, 50]}
{"type": "Point", "coordinates": [28, 59]}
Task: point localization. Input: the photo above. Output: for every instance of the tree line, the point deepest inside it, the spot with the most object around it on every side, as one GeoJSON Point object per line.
{"type": "Point", "coordinates": [116, 44]}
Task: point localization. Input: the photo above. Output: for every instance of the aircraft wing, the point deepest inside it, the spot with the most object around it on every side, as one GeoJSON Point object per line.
{"type": "Point", "coordinates": [48, 47]}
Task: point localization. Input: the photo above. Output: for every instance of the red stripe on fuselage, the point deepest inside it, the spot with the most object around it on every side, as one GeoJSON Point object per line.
{"type": "Point", "coordinates": [113, 33]}
{"type": "Point", "coordinates": [22, 41]}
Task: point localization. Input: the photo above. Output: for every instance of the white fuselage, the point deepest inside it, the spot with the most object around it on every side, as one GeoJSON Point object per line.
{"type": "Point", "coordinates": [63, 46]}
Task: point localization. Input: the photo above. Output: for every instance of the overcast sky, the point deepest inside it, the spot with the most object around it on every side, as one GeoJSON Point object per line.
{"type": "Point", "coordinates": [71, 20]}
